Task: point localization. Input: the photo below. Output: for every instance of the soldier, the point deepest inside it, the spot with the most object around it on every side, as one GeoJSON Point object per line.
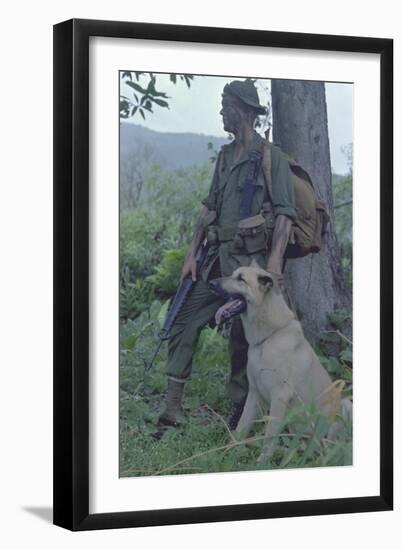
{"type": "Point", "coordinates": [242, 221]}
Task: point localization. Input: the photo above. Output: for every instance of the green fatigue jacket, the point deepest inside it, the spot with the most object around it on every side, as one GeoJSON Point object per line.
{"type": "Point", "coordinates": [224, 199]}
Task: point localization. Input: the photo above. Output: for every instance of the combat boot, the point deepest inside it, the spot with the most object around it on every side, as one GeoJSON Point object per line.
{"type": "Point", "coordinates": [173, 414]}
{"type": "Point", "coordinates": [235, 415]}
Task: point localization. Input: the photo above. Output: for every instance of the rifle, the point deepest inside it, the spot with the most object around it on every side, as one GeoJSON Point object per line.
{"type": "Point", "coordinates": [179, 299]}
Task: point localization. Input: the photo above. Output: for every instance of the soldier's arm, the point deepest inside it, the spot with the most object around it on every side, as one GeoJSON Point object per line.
{"type": "Point", "coordinates": [199, 232]}
{"type": "Point", "coordinates": [284, 208]}
{"type": "Point", "coordinates": [281, 236]}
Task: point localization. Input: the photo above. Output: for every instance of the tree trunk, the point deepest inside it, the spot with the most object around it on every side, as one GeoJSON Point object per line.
{"type": "Point", "coordinates": [316, 282]}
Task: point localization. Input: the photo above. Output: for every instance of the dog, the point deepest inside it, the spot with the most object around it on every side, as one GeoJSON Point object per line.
{"type": "Point", "coordinates": [283, 369]}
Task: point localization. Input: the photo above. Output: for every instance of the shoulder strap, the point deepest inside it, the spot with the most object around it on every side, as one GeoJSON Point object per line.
{"type": "Point", "coordinates": [249, 186]}
{"type": "Point", "coordinates": [266, 167]}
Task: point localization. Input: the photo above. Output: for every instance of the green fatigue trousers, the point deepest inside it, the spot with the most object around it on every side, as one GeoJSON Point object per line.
{"type": "Point", "coordinates": [197, 311]}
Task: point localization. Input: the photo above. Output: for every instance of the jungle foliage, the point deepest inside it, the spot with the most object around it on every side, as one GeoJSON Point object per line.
{"type": "Point", "coordinates": [153, 242]}
{"type": "Point", "coordinates": [144, 96]}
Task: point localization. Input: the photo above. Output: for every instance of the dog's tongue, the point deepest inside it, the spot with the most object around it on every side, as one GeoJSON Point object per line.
{"type": "Point", "coordinates": [228, 310]}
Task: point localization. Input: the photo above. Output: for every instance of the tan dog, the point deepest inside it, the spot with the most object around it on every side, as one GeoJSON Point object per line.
{"type": "Point", "coordinates": [282, 367]}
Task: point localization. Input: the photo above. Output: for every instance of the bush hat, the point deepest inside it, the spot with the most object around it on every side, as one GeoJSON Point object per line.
{"type": "Point", "coordinates": [245, 91]}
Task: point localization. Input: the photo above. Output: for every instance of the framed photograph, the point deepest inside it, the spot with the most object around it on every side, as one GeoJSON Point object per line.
{"type": "Point", "coordinates": [223, 315]}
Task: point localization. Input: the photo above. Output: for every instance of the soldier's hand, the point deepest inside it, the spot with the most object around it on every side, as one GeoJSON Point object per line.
{"type": "Point", "coordinates": [189, 268]}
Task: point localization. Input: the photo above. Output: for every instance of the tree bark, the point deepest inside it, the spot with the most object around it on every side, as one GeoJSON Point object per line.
{"type": "Point", "coordinates": [315, 283]}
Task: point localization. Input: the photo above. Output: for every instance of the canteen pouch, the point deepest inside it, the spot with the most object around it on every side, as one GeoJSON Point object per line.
{"type": "Point", "coordinates": [251, 235]}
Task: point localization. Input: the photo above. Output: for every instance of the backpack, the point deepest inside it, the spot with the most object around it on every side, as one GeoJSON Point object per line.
{"type": "Point", "coordinates": [312, 218]}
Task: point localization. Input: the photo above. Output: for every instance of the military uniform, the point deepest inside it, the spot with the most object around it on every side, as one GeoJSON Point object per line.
{"type": "Point", "coordinates": [228, 251]}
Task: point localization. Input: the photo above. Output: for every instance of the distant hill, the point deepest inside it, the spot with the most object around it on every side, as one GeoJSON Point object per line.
{"type": "Point", "coordinates": [171, 150]}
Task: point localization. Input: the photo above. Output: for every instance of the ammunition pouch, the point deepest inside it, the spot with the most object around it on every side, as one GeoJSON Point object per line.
{"type": "Point", "coordinates": [249, 236]}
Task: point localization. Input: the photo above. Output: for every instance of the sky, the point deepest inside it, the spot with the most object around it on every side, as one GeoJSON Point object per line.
{"type": "Point", "coordinates": [196, 109]}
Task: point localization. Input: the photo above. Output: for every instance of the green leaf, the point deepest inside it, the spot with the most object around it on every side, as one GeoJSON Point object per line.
{"type": "Point", "coordinates": [136, 87]}
{"type": "Point", "coordinates": [153, 92]}
{"type": "Point", "coordinates": [163, 313]}
{"type": "Point", "coordinates": [332, 365]}
{"type": "Point", "coordinates": [124, 108]}
{"type": "Point", "coordinates": [146, 326]}
{"type": "Point", "coordinates": [142, 113]}
{"type": "Point", "coordinates": [172, 78]}
{"type": "Point", "coordinates": [329, 337]}
{"type": "Point", "coordinates": [130, 341]}
{"type": "Point", "coordinates": [339, 316]}
{"type": "Point", "coordinates": [348, 374]}
{"type": "Point", "coordinates": [161, 102]}
{"type": "Point", "coordinates": [293, 447]}
{"type": "Point", "coordinates": [347, 355]}
{"type": "Point", "coordinates": [321, 427]}
{"type": "Point", "coordinates": [151, 84]}
{"type": "Point", "coordinates": [155, 309]}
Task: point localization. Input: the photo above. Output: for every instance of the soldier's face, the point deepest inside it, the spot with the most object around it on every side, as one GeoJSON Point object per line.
{"type": "Point", "coordinates": [232, 113]}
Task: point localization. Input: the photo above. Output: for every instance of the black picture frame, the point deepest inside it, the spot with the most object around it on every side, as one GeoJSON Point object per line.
{"type": "Point", "coordinates": [72, 285]}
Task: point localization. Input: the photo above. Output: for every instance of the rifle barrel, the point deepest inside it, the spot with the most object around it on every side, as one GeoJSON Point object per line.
{"type": "Point", "coordinates": [150, 364]}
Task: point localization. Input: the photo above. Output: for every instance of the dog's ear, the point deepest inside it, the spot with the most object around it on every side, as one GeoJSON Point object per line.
{"type": "Point", "coordinates": [265, 280]}
{"type": "Point", "coordinates": [254, 263]}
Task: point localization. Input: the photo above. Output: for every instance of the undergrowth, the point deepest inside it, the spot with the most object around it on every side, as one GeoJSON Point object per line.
{"type": "Point", "coordinates": [204, 443]}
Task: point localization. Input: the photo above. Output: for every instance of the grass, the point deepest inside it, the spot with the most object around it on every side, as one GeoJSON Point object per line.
{"type": "Point", "coordinates": [204, 444]}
